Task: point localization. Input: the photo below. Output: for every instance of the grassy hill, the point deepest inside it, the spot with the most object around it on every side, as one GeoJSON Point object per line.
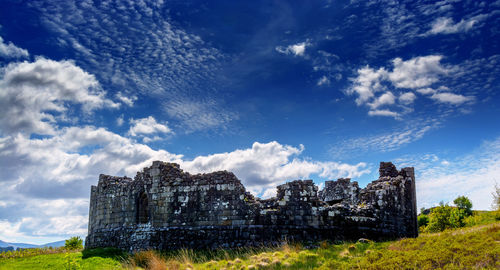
{"type": "Point", "coordinates": [476, 247]}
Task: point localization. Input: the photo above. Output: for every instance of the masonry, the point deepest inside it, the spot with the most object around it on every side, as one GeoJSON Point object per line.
{"type": "Point", "coordinates": [166, 208]}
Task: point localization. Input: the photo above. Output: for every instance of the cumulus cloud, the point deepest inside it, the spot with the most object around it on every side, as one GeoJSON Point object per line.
{"type": "Point", "coordinates": [147, 126]}
{"type": "Point", "coordinates": [445, 25]}
{"type": "Point", "coordinates": [417, 72]}
{"type": "Point", "coordinates": [34, 94]}
{"type": "Point", "coordinates": [266, 165]}
{"type": "Point", "coordinates": [367, 83]}
{"type": "Point", "coordinates": [11, 51]}
{"type": "Point", "coordinates": [407, 98]}
{"type": "Point", "coordinates": [373, 87]}
{"type": "Point", "coordinates": [385, 99]}
{"type": "Point", "coordinates": [298, 49]}
{"type": "Point", "coordinates": [47, 180]}
{"type": "Point", "coordinates": [59, 170]}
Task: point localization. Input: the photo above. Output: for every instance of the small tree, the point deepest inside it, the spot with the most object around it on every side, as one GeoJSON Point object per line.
{"type": "Point", "coordinates": [74, 242]}
{"type": "Point", "coordinates": [463, 203]}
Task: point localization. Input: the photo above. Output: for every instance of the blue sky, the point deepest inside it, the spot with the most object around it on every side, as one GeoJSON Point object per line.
{"type": "Point", "coordinates": [271, 90]}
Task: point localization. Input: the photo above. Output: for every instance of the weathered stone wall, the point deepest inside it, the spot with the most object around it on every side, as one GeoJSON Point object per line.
{"type": "Point", "coordinates": [166, 208]}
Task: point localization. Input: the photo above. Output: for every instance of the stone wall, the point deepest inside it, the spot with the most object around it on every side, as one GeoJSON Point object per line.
{"type": "Point", "coordinates": [166, 208]}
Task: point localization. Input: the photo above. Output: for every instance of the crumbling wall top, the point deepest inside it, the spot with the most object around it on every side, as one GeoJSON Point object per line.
{"type": "Point", "coordinates": [388, 169]}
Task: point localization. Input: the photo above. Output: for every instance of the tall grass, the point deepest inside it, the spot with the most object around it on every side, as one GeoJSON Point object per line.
{"type": "Point", "coordinates": [28, 252]}
{"type": "Point", "coordinates": [468, 248]}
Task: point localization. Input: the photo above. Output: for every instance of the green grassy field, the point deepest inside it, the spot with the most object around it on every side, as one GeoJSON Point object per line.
{"type": "Point", "coordinates": [71, 260]}
{"type": "Point", "coordinates": [476, 247]}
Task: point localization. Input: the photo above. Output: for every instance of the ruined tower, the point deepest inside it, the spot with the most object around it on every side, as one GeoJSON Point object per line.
{"type": "Point", "coordinates": [166, 208]}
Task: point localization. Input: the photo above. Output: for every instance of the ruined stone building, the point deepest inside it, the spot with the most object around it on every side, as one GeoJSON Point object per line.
{"type": "Point", "coordinates": [166, 208]}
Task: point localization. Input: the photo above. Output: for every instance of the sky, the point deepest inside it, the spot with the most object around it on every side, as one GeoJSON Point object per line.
{"type": "Point", "coordinates": [270, 90]}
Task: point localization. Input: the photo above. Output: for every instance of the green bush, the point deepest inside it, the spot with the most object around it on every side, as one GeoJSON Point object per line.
{"type": "Point", "coordinates": [423, 220]}
{"type": "Point", "coordinates": [481, 218]}
{"type": "Point", "coordinates": [446, 217]}
{"type": "Point", "coordinates": [439, 219]}
{"type": "Point", "coordinates": [74, 242]}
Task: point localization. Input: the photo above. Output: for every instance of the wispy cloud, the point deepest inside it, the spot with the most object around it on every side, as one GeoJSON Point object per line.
{"type": "Point", "coordinates": [9, 50]}
{"type": "Point", "coordinates": [133, 46]}
{"type": "Point", "coordinates": [298, 49]}
{"type": "Point", "coordinates": [323, 81]}
{"type": "Point", "coordinates": [127, 100]}
{"type": "Point", "coordinates": [199, 114]}
{"type": "Point", "coordinates": [473, 175]}
{"type": "Point", "coordinates": [445, 25]}
{"type": "Point", "coordinates": [383, 142]}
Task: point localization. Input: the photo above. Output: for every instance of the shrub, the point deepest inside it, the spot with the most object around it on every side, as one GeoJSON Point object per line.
{"type": "Point", "coordinates": [446, 217]}
{"type": "Point", "coordinates": [74, 242]}
{"type": "Point", "coordinates": [439, 218]}
{"type": "Point", "coordinates": [423, 220]}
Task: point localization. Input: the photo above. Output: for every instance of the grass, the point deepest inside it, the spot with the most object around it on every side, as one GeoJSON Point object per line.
{"type": "Point", "coordinates": [69, 260]}
{"type": "Point", "coordinates": [476, 247]}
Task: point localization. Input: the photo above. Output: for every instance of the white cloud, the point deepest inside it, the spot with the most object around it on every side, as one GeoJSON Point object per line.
{"type": "Point", "coordinates": [298, 49]}
{"type": "Point", "coordinates": [385, 99]}
{"type": "Point", "coordinates": [199, 114]}
{"type": "Point", "coordinates": [383, 113]}
{"type": "Point", "coordinates": [407, 98]}
{"type": "Point", "coordinates": [451, 98]}
{"type": "Point", "coordinates": [34, 94]}
{"type": "Point", "coordinates": [266, 165]}
{"type": "Point", "coordinates": [373, 86]}
{"type": "Point", "coordinates": [146, 126]}
{"type": "Point", "coordinates": [426, 91]}
{"type": "Point", "coordinates": [127, 100]}
{"type": "Point", "coordinates": [160, 60]}
{"type": "Point", "coordinates": [367, 83]}
{"type": "Point", "coordinates": [445, 25]}
{"type": "Point", "coordinates": [323, 81]}
{"type": "Point", "coordinates": [47, 180]}
{"type": "Point", "coordinates": [417, 72]}
{"type": "Point", "coordinates": [120, 120]}
{"type": "Point", "coordinates": [384, 142]}
{"type": "Point", "coordinates": [11, 51]}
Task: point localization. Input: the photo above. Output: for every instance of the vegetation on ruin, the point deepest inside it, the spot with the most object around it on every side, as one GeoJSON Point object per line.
{"type": "Point", "coordinates": [475, 247]}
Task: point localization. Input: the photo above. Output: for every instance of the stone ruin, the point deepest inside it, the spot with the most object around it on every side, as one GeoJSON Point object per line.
{"type": "Point", "coordinates": [166, 208]}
